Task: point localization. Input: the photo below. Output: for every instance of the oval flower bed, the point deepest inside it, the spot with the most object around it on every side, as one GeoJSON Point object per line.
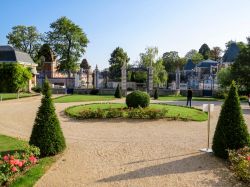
{"type": "Point", "coordinates": [154, 111]}
{"type": "Point", "coordinates": [12, 165]}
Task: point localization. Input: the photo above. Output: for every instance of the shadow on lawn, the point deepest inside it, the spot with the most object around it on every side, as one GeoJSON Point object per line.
{"type": "Point", "coordinates": [201, 162]}
{"type": "Point", "coordinates": [11, 152]}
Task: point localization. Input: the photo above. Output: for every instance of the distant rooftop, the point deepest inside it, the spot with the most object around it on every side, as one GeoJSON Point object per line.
{"type": "Point", "coordinates": [207, 63]}
{"type": "Point", "coordinates": [231, 53]}
{"type": "Point", "coordinates": [10, 54]}
{"type": "Point", "coordinates": [189, 65]}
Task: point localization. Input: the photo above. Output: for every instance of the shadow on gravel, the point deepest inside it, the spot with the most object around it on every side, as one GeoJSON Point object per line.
{"type": "Point", "coordinates": [200, 162]}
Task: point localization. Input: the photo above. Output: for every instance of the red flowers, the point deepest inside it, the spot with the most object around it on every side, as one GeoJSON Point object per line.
{"type": "Point", "coordinates": [14, 169]}
{"type": "Point", "coordinates": [32, 159]}
{"type": "Point", "coordinates": [248, 158]}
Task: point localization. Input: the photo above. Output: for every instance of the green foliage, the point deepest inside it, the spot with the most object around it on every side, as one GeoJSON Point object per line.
{"type": "Point", "coordinates": [146, 113]}
{"type": "Point", "coordinates": [68, 41]}
{"type": "Point", "coordinates": [46, 132]}
{"type": "Point", "coordinates": [118, 92]}
{"type": "Point", "coordinates": [231, 131]}
{"type": "Point", "coordinates": [13, 77]}
{"type": "Point", "coordinates": [26, 39]}
{"type": "Point", "coordinates": [194, 56]}
{"type": "Point", "coordinates": [224, 77]}
{"type": "Point", "coordinates": [156, 95]}
{"type": "Point", "coordinates": [241, 68]}
{"type": "Point", "coordinates": [205, 51]}
{"type": "Point", "coordinates": [116, 61]}
{"type": "Point", "coordinates": [37, 89]}
{"type": "Point", "coordinates": [137, 99]}
{"type": "Point", "coordinates": [240, 163]}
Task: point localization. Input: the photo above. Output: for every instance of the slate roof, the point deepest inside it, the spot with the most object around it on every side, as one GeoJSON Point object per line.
{"type": "Point", "coordinates": [10, 54]}
{"type": "Point", "coordinates": [207, 63]}
{"type": "Point", "coordinates": [189, 65]}
{"type": "Point", "coordinates": [231, 53]}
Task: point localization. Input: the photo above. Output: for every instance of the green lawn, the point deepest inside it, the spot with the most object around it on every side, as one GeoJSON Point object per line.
{"type": "Point", "coordinates": [6, 96]}
{"type": "Point", "coordinates": [29, 178]}
{"type": "Point", "coordinates": [183, 98]}
{"type": "Point", "coordinates": [82, 98]}
{"type": "Point", "coordinates": [174, 112]}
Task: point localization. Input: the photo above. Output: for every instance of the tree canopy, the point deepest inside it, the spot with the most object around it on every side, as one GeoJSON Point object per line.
{"type": "Point", "coordinates": [215, 53]}
{"type": "Point", "coordinates": [241, 68]}
{"type": "Point", "coordinates": [68, 41]}
{"type": "Point", "coordinates": [224, 77]}
{"type": "Point", "coordinates": [117, 58]}
{"type": "Point", "coordinates": [25, 38]}
{"type": "Point", "coordinates": [194, 56]}
{"type": "Point", "coordinates": [205, 51]}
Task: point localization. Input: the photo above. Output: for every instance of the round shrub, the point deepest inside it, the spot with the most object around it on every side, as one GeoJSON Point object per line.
{"type": "Point", "coordinates": [137, 99]}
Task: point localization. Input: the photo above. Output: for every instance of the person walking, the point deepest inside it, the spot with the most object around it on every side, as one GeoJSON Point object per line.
{"type": "Point", "coordinates": [189, 97]}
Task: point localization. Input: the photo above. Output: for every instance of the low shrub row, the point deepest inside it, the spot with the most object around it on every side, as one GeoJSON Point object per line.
{"type": "Point", "coordinates": [240, 163]}
{"type": "Point", "coordinates": [133, 113]}
{"type": "Point", "coordinates": [13, 164]}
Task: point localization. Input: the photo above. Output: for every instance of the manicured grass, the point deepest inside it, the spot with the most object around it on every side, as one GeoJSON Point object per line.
{"type": "Point", "coordinates": [182, 98]}
{"type": "Point", "coordinates": [82, 98]}
{"type": "Point", "coordinates": [29, 178]}
{"type": "Point", "coordinates": [7, 96]}
{"type": "Point", "coordinates": [174, 112]}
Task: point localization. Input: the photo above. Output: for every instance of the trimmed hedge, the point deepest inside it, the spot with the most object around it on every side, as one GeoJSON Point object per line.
{"type": "Point", "coordinates": [46, 132]}
{"type": "Point", "coordinates": [118, 92]}
{"type": "Point", "coordinates": [231, 130]}
{"type": "Point", "coordinates": [156, 95]}
{"type": "Point", "coordinates": [137, 99]}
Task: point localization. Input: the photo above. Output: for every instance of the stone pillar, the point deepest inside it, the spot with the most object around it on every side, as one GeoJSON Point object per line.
{"type": "Point", "coordinates": [124, 79]}
{"type": "Point", "coordinates": [77, 80]}
{"type": "Point", "coordinates": [150, 83]}
{"type": "Point", "coordinates": [178, 79]}
{"type": "Point", "coordinates": [96, 78]}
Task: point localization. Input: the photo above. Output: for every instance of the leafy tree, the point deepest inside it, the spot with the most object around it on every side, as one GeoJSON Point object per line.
{"type": "Point", "coordinates": [170, 60]}
{"type": "Point", "coordinates": [231, 130]}
{"type": "Point", "coordinates": [13, 77]}
{"type": "Point", "coordinates": [241, 68]}
{"type": "Point", "coordinates": [149, 58]}
{"type": "Point", "coordinates": [190, 54]}
{"type": "Point", "coordinates": [86, 68]}
{"type": "Point", "coordinates": [46, 132]}
{"type": "Point", "coordinates": [116, 61]}
{"type": "Point", "coordinates": [25, 38]}
{"type": "Point", "coordinates": [205, 51]}
{"type": "Point", "coordinates": [68, 41]}
{"type": "Point", "coordinates": [194, 56]}
{"type": "Point", "coordinates": [197, 57]}
{"type": "Point", "coordinates": [118, 92]}
{"type": "Point", "coordinates": [215, 53]}
{"type": "Point", "coordinates": [224, 77]}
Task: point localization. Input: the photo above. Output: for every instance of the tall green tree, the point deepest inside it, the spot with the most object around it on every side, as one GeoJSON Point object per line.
{"type": "Point", "coordinates": [241, 68]}
{"type": "Point", "coordinates": [205, 51]}
{"type": "Point", "coordinates": [170, 60]}
{"type": "Point", "coordinates": [117, 58]}
{"type": "Point", "coordinates": [215, 53]}
{"type": "Point", "coordinates": [25, 38]}
{"type": "Point", "coordinates": [68, 41]}
{"type": "Point", "coordinates": [224, 77]}
{"type": "Point", "coordinates": [231, 130]}
{"type": "Point", "coordinates": [149, 58]}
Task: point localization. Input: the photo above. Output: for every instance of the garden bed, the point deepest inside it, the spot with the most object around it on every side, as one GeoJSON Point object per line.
{"type": "Point", "coordinates": [154, 111]}
{"type": "Point", "coordinates": [25, 169]}
{"type": "Point", "coordinates": [8, 96]}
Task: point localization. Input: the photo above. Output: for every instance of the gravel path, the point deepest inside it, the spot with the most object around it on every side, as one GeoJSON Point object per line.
{"type": "Point", "coordinates": [125, 152]}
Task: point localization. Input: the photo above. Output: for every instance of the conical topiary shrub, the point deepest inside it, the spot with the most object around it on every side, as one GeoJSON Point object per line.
{"type": "Point", "coordinates": [46, 132]}
{"type": "Point", "coordinates": [118, 92]}
{"type": "Point", "coordinates": [231, 131]}
{"type": "Point", "coordinates": [156, 95]}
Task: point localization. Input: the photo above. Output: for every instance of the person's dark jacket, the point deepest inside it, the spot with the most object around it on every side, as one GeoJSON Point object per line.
{"type": "Point", "coordinates": [190, 93]}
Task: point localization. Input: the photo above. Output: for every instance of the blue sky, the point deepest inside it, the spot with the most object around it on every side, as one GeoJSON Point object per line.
{"type": "Point", "coordinates": [178, 25]}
